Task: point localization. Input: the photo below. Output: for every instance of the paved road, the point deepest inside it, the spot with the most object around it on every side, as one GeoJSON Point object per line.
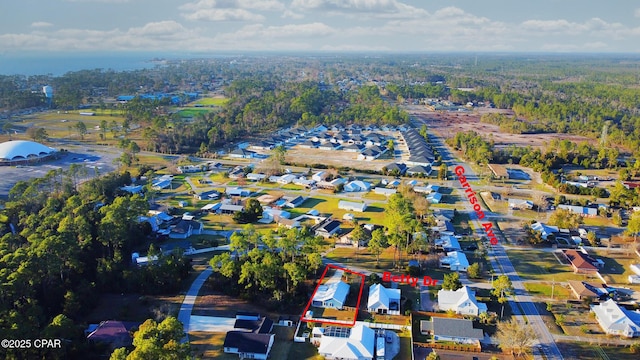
{"type": "Point", "coordinates": [502, 265]}
{"type": "Point", "coordinates": [184, 316]}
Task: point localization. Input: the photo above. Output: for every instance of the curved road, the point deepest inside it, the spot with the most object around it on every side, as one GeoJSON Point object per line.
{"type": "Point", "coordinates": [522, 305]}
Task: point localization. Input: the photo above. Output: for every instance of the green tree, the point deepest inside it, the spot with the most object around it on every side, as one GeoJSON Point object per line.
{"type": "Point", "coordinates": [633, 226]}
{"type": "Point", "coordinates": [160, 341]}
{"type": "Point", "coordinates": [378, 243]}
{"type": "Point", "coordinates": [565, 219]}
{"type": "Point", "coordinates": [81, 128]}
{"type": "Point", "coordinates": [451, 281]}
{"type": "Point", "coordinates": [473, 271]}
{"type": "Point", "coordinates": [442, 172]}
{"type": "Point", "coordinates": [502, 288]}
{"type": "Point", "coordinates": [103, 128]}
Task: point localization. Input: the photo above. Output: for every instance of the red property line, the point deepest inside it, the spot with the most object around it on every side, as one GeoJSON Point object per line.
{"type": "Point", "coordinates": [337, 322]}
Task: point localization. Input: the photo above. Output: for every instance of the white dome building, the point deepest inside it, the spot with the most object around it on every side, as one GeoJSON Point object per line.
{"type": "Point", "coordinates": [23, 151]}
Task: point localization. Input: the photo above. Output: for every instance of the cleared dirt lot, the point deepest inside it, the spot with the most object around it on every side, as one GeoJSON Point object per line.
{"type": "Point", "coordinates": [447, 124]}
{"type": "Point", "coordinates": [336, 158]}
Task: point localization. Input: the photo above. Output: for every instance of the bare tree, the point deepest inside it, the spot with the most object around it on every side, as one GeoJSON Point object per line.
{"type": "Point", "coordinates": [515, 337]}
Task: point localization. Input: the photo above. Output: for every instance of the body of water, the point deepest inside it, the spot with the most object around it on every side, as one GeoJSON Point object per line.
{"type": "Point", "coordinates": [59, 64]}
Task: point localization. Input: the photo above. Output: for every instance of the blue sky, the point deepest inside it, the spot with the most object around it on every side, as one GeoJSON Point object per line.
{"type": "Point", "coordinates": [320, 25]}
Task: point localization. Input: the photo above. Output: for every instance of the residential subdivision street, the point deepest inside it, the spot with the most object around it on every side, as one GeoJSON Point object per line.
{"type": "Point", "coordinates": [522, 305]}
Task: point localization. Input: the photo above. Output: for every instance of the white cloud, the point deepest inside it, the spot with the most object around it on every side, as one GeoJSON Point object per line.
{"type": "Point", "coordinates": [261, 32]}
{"type": "Point", "coordinates": [265, 5]}
{"type": "Point", "coordinates": [288, 14]}
{"type": "Point", "coordinates": [229, 10]}
{"type": "Point", "coordinates": [224, 15]}
{"type": "Point", "coordinates": [372, 8]}
{"type": "Point", "coordinates": [161, 28]}
{"type": "Point", "coordinates": [41, 24]}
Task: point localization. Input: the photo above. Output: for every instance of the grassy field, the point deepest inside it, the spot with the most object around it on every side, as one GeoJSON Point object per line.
{"type": "Point", "coordinates": [208, 345]}
{"type": "Point", "coordinates": [533, 264]}
{"type": "Point", "coordinates": [546, 290]}
{"type": "Point", "coordinates": [211, 101]}
{"type": "Point", "coordinates": [193, 112]}
{"type": "Point", "coordinates": [616, 265]}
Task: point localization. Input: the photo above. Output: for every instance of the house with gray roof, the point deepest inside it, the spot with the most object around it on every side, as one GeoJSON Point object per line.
{"type": "Point", "coordinates": [450, 329]}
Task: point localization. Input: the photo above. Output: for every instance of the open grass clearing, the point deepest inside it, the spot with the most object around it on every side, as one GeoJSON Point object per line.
{"type": "Point", "coordinates": [616, 265]}
{"type": "Point", "coordinates": [532, 264]}
{"type": "Point", "coordinates": [546, 290]}
{"type": "Point", "coordinates": [206, 345]}
{"type": "Point", "coordinates": [212, 101]}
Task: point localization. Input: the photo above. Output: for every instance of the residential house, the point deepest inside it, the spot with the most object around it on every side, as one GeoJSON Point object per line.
{"type": "Point", "coordinates": [286, 179]}
{"type": "Point", "coordinates": [320, 176]}
{"type": "Point", "coordinates": [338, 343]}
{"type": "Point", "coordinates": [213, 207]}
{"type": "Point", "coordinates": [419, 170]}
{"type": "Point", "coordinates": [329, 146]}
{"type": "Point", "coordinates": [448, 243]}
{"type": "Point", "coordinates": [326, 228]}
{"type": "Point", "coordinates": [294, 202]}
{"type": "Point", "coordinates": [520, 204]}
{"type": "Point", "coordinates": [616, 320]}
{"type": "Point", "coordinates": [545, 230]}
{"type": "Point", "coordinates": [207, 195]}
{"type": "Point", "coordinates": [115, 333]}
{"type": "Point", "coordinates": [395, 168]}
{"type": "Point", "coordinates": [357, 186]}
{"type": "Point", "coordinates": [384, 191]}
{"type": "Point", "coordinates": [251, 338]}
{"type": "Point", "coordinates": [185, 228]}
{"type": "Point", "coordinates": [242, 154]}
{"type": "Point", "coordinates": [132, 189]}
{"type": "Point", "coordinates": [237, 191]}
{"type": "Point", "coordinates": [288, 223]}
{"type": "Point", "coordinates": [580, 262]}
{"type": "Point", "coordinates": [580, 210]}
{"type": "Point", "coordinates": [585, 290]}
{"type": "Point", "coordinates": [462, 301]}
{"type": "Point", "coordinates": [369, 154]}
{"type": "Point", "coordinates": [229, 209]}
{"type": "Point", "coordinates": [352, 206]}
{"type": "Point", "coordinates": [383, 301]}
{"type": "Point", "coordinates": [333, 293]}
{"type": "Point", "coordinates": [434, 198]}
{"type": "Point", "coordinates": [355, 148]}
{"type": "Point", "coordinates": [450, 329]}
{"type": "Point", "coordinates": [455, 260]}
{"type": "Point", "coordinates": [347, 239]}
{"type": "Point", "coordinates": [309, 144]}
{"type": "Point", "coordinates": [162, 182]}
{"type": "Point", "coordinates": [256, 177]}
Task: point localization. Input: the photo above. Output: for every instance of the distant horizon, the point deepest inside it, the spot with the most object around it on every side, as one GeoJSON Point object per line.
{"type": "Point", "coordinates": [33, 63]}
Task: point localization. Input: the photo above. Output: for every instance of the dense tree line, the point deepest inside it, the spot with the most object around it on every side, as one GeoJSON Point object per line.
{"type": "Point", "coordinates": [473, 146]}
{"type": "Point", "coordinates": [62, 244]}
{"type": "Point", "coordinates": [272, 267]}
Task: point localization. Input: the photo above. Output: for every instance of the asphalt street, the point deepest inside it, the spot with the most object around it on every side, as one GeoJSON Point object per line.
{"type": "Point", "coordinates": [501, 264]}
